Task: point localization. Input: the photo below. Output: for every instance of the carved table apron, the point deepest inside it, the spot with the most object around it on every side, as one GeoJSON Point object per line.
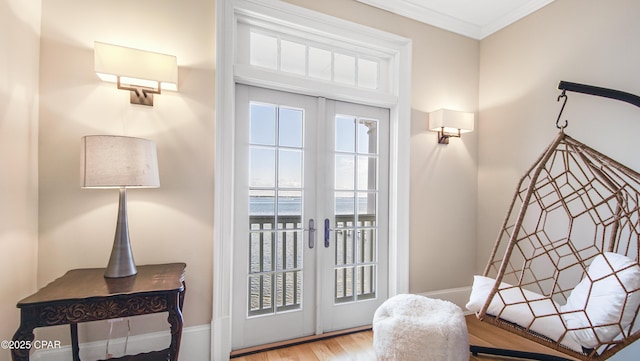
{"type": "Point", "coordinates": [84, 295]}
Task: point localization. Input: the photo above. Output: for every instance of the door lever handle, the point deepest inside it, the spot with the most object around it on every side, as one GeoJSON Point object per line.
{"type": "Point", "coordinates": [312, 233]}
{"type": "Point", "coordinates": [327, 236]}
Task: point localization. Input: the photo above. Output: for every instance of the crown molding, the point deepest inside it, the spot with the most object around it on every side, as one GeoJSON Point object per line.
{"type": "Point", "coordinates": [513, 16]}
{"type": "Point", "coordinates": [432, 17]}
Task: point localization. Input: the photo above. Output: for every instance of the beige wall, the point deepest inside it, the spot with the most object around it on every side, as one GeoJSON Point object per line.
{"type": "Point", "coordinates": [591, 42]}
{"type": "Point", "coordinates": [18, 158]}
{"type": "Point", "coordinates": [443, 178]}
{"type": "Point", "coordinates": [173, 223]}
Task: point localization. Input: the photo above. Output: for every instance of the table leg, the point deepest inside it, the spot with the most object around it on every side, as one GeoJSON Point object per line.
{"type": "Point", "coordinates": [184, 290]}
{"type": "Point", "coordinates": [175, 321]}
{"type": "Point", "coordinates": [75, 347]}
{"type": "Point", "coordinates": [23, 336]}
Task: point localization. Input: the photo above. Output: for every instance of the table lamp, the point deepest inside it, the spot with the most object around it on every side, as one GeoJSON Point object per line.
{"type": "Point", "coordinates": [108, 161]}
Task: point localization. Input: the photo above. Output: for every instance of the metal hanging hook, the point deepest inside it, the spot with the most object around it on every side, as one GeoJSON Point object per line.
{"type": "Point", "coordinates": [566, 122]}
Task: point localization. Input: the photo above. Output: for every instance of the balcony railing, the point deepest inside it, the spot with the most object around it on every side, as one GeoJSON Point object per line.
{"type": "Point", "coordinates": [276, 265]}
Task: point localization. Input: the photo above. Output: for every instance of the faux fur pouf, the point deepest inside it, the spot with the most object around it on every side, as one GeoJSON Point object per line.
{"type": "Point", "coordinates": [417, 328]}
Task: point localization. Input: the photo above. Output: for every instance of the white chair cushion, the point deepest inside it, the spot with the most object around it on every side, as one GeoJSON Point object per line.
{"type": "Point", "coordinates": [605, 297]}
{"type": "Point", "coordinates": [525, 308]}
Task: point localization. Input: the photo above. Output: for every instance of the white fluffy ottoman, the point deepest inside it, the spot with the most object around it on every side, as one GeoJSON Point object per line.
{"type": "Point", "coordinates": [417, 328]}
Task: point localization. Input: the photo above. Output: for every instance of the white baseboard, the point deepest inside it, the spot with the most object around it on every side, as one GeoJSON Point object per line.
{"type": "Point", "coordinates": [193, 346]}
{"type": "Point", "coordinates": [459, 296]}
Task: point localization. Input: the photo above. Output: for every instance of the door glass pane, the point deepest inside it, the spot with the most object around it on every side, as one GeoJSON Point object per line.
{"type": "Point", "coordinates": [262, 167]}
{"type": "Point", "coordinates": [366, 282]}
{"type": "Point", "coordinates": [290, 206]}
{"type": "Point", "coordinates": [263, 124]}
{"type": "Point", "coordinates": [344, 247]}
{"type": "Point", "coordinates": [289, 286]}
{"type": "Point", "coordinates": [290, 127]}
{"type": "Point", "coordinates": [344, 284]}
{"type": "Point", "coordinates": [260, 294]}
{"type": "Point", "coordinates": [289, 168]}
{"type": "Point", "coordinates": [367, 173]}
{"type": "Point", "coordinates": [366, 207]}
{"type": "Point", "coordinates": [289, 250]}
{"type": "Point", "coordinates": [344, 171]}
{"type": "Point", "coordinates": [261, 251]}
{"type": "Point", "coordinates": [345, 207]}
{"type": "Point", "coordinates": [345, 134]}
{"type": "Point", "coordinates": [367, 245]}
{"type": "Point", "coordinates": [367, 136]}
{"type": "Point", "coordinates": [289, 244]}
{"type": "Point", "coordinates": [262, 203]}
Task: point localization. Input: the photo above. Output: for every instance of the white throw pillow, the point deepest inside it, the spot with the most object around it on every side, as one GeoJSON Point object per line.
{"type": "Point", "coordinates": [480, 292]}
{"type": "Point", "coordinates": [602, 298]}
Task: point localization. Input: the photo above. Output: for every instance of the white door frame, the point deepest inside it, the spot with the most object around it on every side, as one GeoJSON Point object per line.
{"type": "Point", "coordinates": [400, 119]}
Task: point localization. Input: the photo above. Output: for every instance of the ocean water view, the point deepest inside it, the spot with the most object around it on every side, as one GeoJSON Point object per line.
{"type": "Point", "coordinates": [264, 206]}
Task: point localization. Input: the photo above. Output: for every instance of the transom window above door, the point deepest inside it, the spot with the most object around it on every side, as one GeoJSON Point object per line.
{"type": "Point", "coordinates": [294, 54]}
{"type": "Point", "coordinates": [321, 63]}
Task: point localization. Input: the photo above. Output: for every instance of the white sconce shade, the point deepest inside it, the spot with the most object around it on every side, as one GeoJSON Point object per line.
{"type": "Point", "coordinates": [108, 161]}
{"type": "Point", "coordinates": [450, 123]}
{"type": "Point", "coordinates": [152, 72]}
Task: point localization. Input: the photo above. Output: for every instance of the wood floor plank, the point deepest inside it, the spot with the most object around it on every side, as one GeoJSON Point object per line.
{"type": "Point", "coordinates": [330, 350]}
{"type": "Point", "coordinates": [297, 353]}
{"type": "Point", "coordinates": [359, 346]}
{"type": "Point", "coordinates": [483, 334]}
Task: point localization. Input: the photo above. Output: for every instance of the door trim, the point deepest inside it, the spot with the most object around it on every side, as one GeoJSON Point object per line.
{"type": "Point", "coordinates": [400, 122]}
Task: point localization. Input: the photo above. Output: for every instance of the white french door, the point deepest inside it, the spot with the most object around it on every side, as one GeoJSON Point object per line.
{"type": "Point", "coordinates": [310, 218]}
{"type": "Point", "coordinates": [355, 202]}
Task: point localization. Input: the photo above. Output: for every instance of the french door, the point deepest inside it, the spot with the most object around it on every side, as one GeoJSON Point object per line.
{"type": "Point", "coordinates": [310, 217]}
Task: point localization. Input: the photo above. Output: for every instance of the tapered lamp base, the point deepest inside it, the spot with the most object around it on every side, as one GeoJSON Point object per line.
{"type": "Point", "coordinates": [121, 262]}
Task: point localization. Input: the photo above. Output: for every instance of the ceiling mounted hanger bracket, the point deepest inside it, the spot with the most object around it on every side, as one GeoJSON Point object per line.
{"type": "Point", "coordinates": [601, 92]}
{"type": "Point", "coordinates": [591, 90]}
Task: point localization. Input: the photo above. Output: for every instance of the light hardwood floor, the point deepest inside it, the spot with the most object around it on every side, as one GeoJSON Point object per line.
{"type": "Point", "coordinates": [358, 346]}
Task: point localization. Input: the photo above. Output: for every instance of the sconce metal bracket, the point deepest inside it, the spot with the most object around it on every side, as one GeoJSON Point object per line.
{"type": "Point", "coordinates": [140, 95]}
{"type": "Point", "coordinates": [443, 138]}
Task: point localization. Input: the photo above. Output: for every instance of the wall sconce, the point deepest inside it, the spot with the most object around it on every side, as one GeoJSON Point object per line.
{"type": "Point", "coordinates": [142, 72]}
{"type": "Point", "coordinates": [450, 123]}
{"type": "Point", "coordinates": [108, 161]}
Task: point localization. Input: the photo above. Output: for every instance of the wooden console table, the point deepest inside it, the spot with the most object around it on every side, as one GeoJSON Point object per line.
{"type": "Point", "coordinates": [84, 295]}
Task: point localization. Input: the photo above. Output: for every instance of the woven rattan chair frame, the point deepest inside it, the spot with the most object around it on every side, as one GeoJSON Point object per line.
{"type": "Point", "coordinates": [573, 204]}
